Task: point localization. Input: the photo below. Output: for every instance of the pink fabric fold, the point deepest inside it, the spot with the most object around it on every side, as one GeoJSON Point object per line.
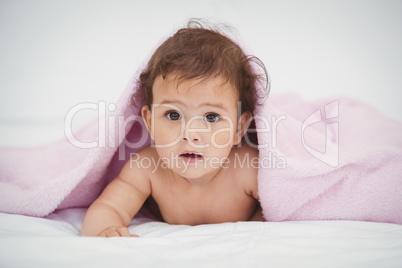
{"type": "Point", "coordinates": [37, 181]}
{"type": "Point", "coordinates": [346, 166]}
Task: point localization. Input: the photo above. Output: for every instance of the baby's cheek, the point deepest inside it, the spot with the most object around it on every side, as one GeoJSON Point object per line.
{"type": "Point", "coordinates": [167, 136]}
{"type": "Point", "coordinates": [222, 137]}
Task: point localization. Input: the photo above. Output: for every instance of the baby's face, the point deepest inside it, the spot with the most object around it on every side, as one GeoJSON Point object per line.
{"type": "Point", "coordinates": [193, 124]}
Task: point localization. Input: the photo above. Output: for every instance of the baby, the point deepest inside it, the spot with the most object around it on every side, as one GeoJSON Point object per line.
{"type": "Point", "coordinates": [198, 94]}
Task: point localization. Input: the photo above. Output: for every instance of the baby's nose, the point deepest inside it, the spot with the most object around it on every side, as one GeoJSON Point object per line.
{"type": "Point", "coordinates": [194, 130]}
{"type": "Point", "coordinates": [194, 139]}
{"type": "Point", "coordinates": [191, 135]}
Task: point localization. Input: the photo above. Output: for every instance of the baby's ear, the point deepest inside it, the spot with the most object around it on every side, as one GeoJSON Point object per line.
{"type": "Point", "coordinates": [146, 116]}
{"type": "Point", "coordinates": [242, 126]}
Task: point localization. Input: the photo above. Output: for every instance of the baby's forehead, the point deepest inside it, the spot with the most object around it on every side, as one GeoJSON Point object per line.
{"type": "Point", "coordinates": [194, 92]}
{"type": "Point", "coordinates": [182, 83]}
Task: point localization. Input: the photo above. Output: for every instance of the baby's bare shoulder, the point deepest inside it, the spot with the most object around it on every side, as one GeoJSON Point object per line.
{"type": "Point", "coordinates": [244, 157]}
{"type": "Point", "coordinates": [148, 151]}
{"type": "Point", "coordinates": [143, 160]}
{"type": "Point", "coordinates": [245, 162]}
{"type": "Point", "coordinates": [138, 168]}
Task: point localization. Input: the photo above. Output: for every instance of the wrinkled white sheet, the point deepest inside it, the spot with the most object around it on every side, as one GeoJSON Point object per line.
{"type": "Point", "coordinates": [55, 242]}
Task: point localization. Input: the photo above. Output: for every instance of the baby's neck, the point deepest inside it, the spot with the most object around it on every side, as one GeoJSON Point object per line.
{"type": "Point", "coordinates": [201, 181]}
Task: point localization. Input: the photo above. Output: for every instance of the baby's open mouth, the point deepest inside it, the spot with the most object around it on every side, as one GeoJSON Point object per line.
{"type": "Point", "coordinates": [191, 157]}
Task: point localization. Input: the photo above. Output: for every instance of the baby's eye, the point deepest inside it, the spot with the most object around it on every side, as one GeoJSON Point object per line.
{"type": "Point", "coordinates": [172, 115]}
{"type": "Point", "coordinates": [211, 118]}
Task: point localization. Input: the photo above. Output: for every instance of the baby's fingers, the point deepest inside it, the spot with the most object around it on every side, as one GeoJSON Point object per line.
{"type": "Point", "coordinates": [121, 231]}
{"type": "Point", "coordinates": [110, 232]}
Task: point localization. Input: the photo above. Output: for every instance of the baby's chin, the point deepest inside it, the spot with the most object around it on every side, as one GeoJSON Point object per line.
{"type": "Point", "coordinates": [197, 175]}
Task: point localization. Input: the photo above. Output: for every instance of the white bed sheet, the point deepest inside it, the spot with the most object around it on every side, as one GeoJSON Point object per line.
{"type": "Point", "coordinates": [55, 242]}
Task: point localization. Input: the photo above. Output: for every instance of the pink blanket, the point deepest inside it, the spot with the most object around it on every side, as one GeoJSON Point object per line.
{"type": "Point", "coordinates": [325, 160]}
{"type": "Point", "coordinates": [343, 162]}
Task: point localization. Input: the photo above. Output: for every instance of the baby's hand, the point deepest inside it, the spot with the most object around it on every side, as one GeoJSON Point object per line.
{"type": "Point", "coordinates": [116, 231]}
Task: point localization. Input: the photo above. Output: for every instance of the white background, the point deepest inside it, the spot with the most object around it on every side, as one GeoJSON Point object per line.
{"type": "Point", "coordinates": [56, 54]}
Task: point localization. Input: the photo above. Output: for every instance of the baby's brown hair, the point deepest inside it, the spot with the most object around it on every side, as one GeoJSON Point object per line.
{"type": "Point", "coordinates": [201, 52]}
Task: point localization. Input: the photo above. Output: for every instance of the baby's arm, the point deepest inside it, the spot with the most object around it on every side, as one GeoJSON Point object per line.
{"type": "Point", "coordinates": [112, 212]}
{"type": "Point", "coordinates": [250, 179]}
{"type": "Point", "coordinates": [252, 188]}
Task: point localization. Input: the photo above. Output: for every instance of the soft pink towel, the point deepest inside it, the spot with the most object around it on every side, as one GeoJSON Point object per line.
{"type": "Point", "coordinates": [325, 160]}
{"type": "Point", "coordinates": [36, 181]}
{"type": "Point", "coordinates": [359, 177]}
